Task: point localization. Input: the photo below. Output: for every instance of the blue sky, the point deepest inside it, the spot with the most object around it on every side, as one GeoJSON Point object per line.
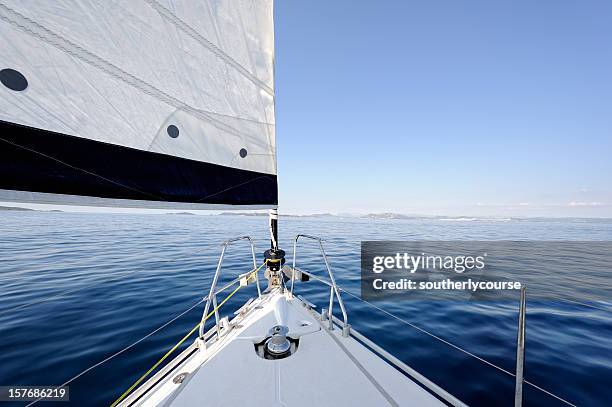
{"type": "Point", "coordinates": [445, 107]}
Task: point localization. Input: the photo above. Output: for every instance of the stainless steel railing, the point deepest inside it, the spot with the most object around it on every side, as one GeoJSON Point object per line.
{"type": "Point", "coordinates": [212, 295]}
{"type": "Point", "coordinates": [520, 351]}
{"type": "Point", "coordinates": [331, 283]}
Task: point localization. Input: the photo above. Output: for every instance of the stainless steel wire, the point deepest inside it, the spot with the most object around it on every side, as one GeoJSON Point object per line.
{"type": "Point", "coordinates": [452, 345]}
{"type": "Point", "coordinates": [153, 332]}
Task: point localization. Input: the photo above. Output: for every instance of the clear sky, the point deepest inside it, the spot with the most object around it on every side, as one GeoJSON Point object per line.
{"type": "Point", "coordinates": [445, 107]}
{"type": "Point", "coordinates": [491, 108]}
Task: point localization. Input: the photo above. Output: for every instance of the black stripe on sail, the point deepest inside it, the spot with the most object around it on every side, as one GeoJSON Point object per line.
{"type": "Point", "coordinates": [38, 160]}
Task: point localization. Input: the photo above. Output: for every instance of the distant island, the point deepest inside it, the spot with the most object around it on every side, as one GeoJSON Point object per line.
{"type": "Point", "coordinates": [14, 208]}
{"type": "Point", "coordinates": [373, 216]}
{"type": "Point", "coordinates": [242, 214]}
{"type": "Point", "coordinates": [18, 208]}
{"type": "Point", "coordinates": [383, 215]}
{"type": "Point", "coordinates": [400, 216]}
{"type": "Point", "coordinates": [314, 215]}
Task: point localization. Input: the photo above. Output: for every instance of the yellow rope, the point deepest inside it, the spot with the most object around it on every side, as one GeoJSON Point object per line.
{"type": "Point", "coordinates": [148, 372]}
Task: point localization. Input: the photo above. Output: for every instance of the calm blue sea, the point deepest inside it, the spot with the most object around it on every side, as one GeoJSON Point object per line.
{"type": "Point", "coordinates": [75, 288]}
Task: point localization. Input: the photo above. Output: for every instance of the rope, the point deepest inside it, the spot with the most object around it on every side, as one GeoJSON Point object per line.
{"type": "Point", "coordinates": [153, 332]}
{"type": "Point", "coordinates": [144, 376]}
{"type": "Point", "coordinates": [194, 329]}
{"type": "Point", "coordinates": [124, 349]}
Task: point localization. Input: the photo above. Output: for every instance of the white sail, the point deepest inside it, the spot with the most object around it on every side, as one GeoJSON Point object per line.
{"type": "Point", "coordinates": [187, 80]}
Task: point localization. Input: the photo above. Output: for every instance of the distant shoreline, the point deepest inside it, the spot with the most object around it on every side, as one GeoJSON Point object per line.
{"type": "Point", "coordinates": [20, 209]}
{"type": "Point", "coordinates": [373, 216]}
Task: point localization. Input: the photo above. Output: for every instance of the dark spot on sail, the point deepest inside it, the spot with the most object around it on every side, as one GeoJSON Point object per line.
{"type": "Point", "coordinates": [13, 79]}
{"type": "Point", "coordinates": [243, 152]}
{"type": "Point", "coordinates": [173, 131]}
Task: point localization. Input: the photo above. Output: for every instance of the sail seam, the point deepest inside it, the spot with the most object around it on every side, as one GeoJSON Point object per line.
{"type": "Point", "coordinates": [44, 34]}
{"type": "Point", "coordinates": [187, 29]}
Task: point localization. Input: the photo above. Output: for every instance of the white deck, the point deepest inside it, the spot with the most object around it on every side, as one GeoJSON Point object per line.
{"type": "Point", "coordinates": [327, 369]}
